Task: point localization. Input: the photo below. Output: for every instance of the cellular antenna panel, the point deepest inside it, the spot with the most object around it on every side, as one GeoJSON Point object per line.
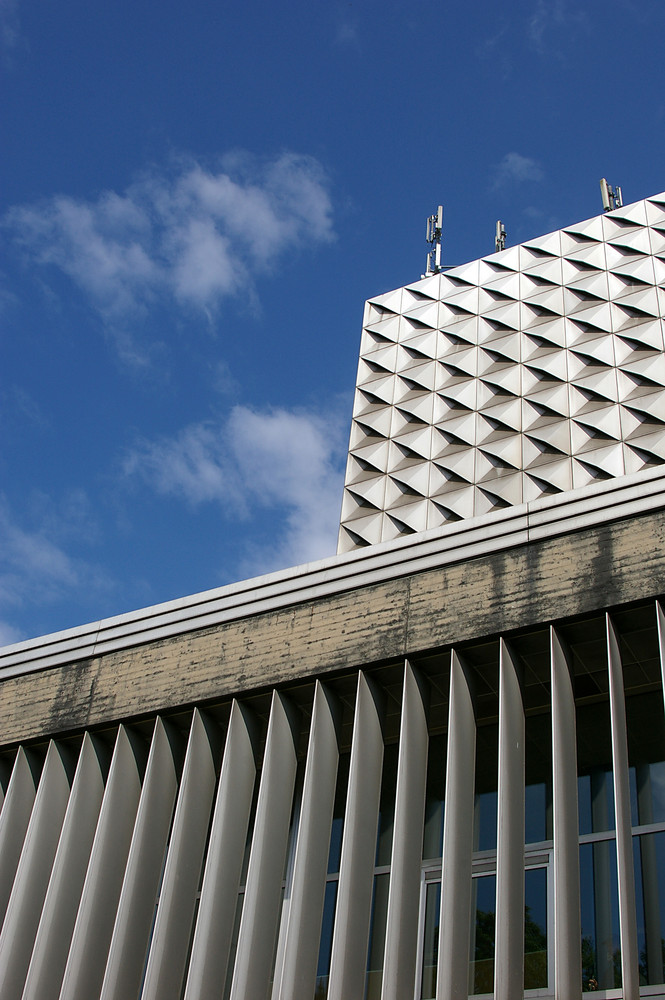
{"type": "Point", "coordinates": [434, 233]}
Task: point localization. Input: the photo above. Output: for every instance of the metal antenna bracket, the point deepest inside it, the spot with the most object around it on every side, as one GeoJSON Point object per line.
{"type": "Point", "coordinates": [612, 196]}
{"type": "Point", "coordinates": [434, 231]}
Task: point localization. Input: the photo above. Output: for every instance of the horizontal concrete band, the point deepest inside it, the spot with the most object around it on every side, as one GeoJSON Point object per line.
{"type": "Point", "coordinates": [532, 582]}
{"type": "Point", "coordinates": [457, 542]}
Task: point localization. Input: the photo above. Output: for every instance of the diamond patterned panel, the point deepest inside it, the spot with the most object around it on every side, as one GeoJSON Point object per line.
{"type": "Point", "coordinates": [533, 371]}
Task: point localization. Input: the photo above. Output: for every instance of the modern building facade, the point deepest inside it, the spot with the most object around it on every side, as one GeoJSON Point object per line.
{"type": "Point", "coordinates": [432, 766]}
{"type": "Point", "coordinates": [534, 371]}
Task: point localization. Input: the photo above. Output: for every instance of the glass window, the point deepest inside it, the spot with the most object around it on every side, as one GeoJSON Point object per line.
{"type": "Point", "coordinates": [431, 940]}
{"type": "Point", "coordinates": [234, 945]}
{"type": "Point", "coordinates": [601, 949]}
{"type": "Point", "coordinates": [595, 790]}
{"type": "Point", "coordinates": [436, 785]}
{"type": "Point", "coordinates": [595, 794]}
{"type": "Point", "coordinates": [483, 923]}
{"type": "Point", "coordinates": [646, 751]}
{"type": "Point", "coordinates": [482, 937]}
{"type": "Point", "coordinates": [377, 938]}
{"type": "Point", "coordinates": [335, 851]}
{"type": "Point", "coordinates": [538, 790]}
{"type": "Point", "coordinates": [649, 853]}
{"type": "Point", "coordinates": [535, 928]}
{"type": "Point", "coordinates": [484, 836]}
{"type": "Point", "coordinates": [384, 839]}
{"type": "Point", "coordinates": [325, 946]}
{"type": "Point", "coordinates": [481, 972]}
{"type": "Point", "coordinates": [537, 813]}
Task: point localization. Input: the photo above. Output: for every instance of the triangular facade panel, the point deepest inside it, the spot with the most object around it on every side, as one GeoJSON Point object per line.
{"type": "Point", "coordinates": [532, 371]}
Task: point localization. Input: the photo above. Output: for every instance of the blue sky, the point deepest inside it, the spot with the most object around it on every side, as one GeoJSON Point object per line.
{"type": "Point", "coordinates": [196, 200]}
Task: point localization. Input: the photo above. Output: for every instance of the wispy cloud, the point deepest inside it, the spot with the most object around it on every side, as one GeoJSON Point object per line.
{"type": "Point", "coordinates": [10, 34]}
{"type": "Point", "coordinates": [35, 566]}
{"type": "Point", "coordinates": [549, 16]}
{"type": "Point", "coordinates": [9, 634]}
{"type": "Point", "coordinates": [493, 47]}
{"type": "Point", "coordinates": [290, 462]}
{"type": "Point", "coordinates": [347, 35]}
{"type": "Point", "coordinates": [17, 404]}
{"type": "Point", "coordinates": [190, 234]}
{"type": "Point", "coordinates": [516, 169]}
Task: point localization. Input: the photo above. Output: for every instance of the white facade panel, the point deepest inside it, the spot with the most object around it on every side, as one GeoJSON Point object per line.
{"type": "Point", "coordinates": [534, 371]}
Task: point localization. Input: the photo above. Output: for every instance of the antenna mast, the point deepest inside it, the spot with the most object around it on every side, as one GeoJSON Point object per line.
{"type": "Point", "coordinates": [500, 238]}
{"type": "Point", "coordinates": [612, 197]}
{"type": "Point", "coordinates": [434, 230]}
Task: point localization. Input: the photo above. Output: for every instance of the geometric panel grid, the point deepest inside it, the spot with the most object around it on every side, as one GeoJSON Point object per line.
{"type": "Point", "coordinates": [535, 370]}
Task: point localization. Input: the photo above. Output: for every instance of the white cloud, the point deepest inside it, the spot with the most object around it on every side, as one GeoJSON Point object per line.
{"type": "Point", "coordinates": [34, 567]}
{"type": "Point", "coordinates": [515, 168]}
{"type": "Point", "coordinates": [290, 462]}
{"type": "Point", "coordinates": [193, 465]}
{"type": "Point", "coordinates": [29, 556]}
{"type": "Point", "coordinates": [191, 233]}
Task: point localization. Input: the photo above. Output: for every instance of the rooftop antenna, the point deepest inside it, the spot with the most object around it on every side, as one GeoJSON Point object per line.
{"type": "Point", "coordinates": [612, 197]}
{"type": "Point", "coordinates": [434, 230]}
{"type": "Point", "coordinates": [500, 238]}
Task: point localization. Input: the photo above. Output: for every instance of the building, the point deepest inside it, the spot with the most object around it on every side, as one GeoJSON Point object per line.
{"type": "Point", "coordinates": [532, 372]}
{"type": "Point", "coordinates": [259, 791]}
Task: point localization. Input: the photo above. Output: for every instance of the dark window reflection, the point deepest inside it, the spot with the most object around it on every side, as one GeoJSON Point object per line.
{"type": "Point", "coordinates": [436, 785]}
{"type": "Point", "coordinates": [234, 946]}
{"type": "Point", "coordinates": [483, 929]}
{"type": "Point", "coordinates": [535, 929]}
{"type": "Point", "coordinates": [538, 790]}
{"type": "Point", "coordinates": [377, 938]}
{"type": "Point", "coordinates": [649, 856]}
{"type": "Point", "coordinates": [484, 835]}
{"type": "Point", "coordinates": [325, 947]}
{"type": "Point", "coordinates": [384, 836]}
{"type": "Point", "coordinates": [431, 943]}
{"type": "Point", "coordinates": [595, 790]}
{"type": "Point", "coordinates": [335, 851]}
{"type": "Point", "coordinates": [601, 951]}
{"type": "Point", "coordinates": [646, 750]}
{"type": "Point", "coordinates": [481, 967]}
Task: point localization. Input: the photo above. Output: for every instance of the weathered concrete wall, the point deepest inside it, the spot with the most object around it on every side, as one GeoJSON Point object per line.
{"type": "Point", "coordinates": [538, 582]}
